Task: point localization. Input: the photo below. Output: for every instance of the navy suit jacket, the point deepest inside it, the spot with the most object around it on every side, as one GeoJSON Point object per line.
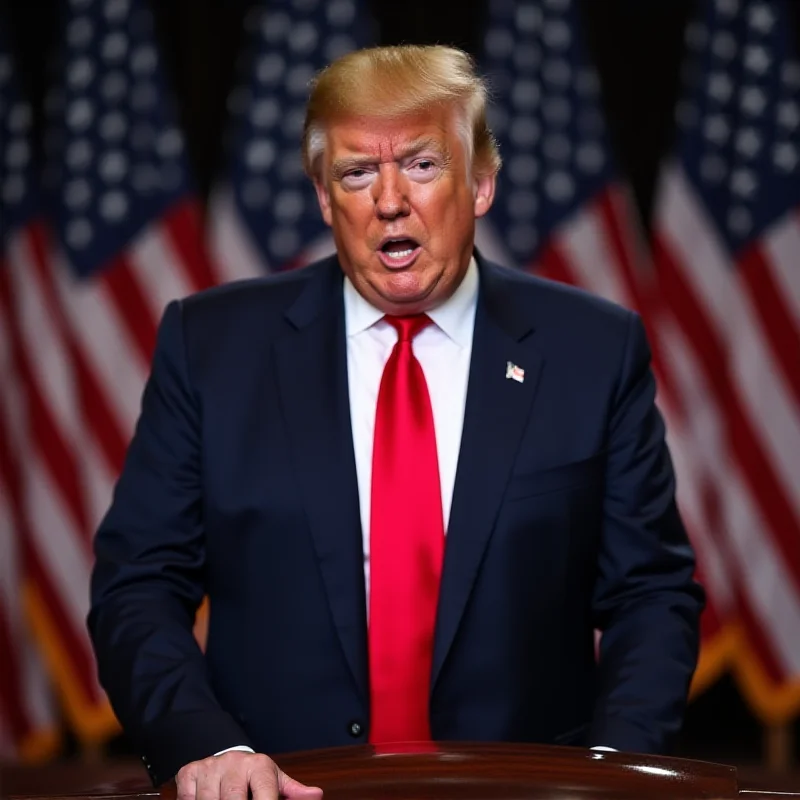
{"type": "Point", "coordinates": [240, 484]}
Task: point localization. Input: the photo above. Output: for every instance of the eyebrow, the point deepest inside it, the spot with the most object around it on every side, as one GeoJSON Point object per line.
{"type": "Point", "coordinates": [343, 165]}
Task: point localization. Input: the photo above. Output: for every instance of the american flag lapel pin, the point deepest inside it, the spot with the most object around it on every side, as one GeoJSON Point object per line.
{"type": "Point", "coordinates": [514, 372]}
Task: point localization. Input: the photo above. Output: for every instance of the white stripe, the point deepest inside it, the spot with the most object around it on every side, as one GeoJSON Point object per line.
{"type": "Point", "coordinates": [103, 338]}
{"type": "Point", "coordinates": [693, 443]}
{"type": "Point", "coordinates": [764, 393]}
{"type": "Point", "coordinates": [490, 244]}
{"type": "Point", "coordinates": [759, 568]}
{"type": "Point", "coordinates": [158, 270]}
{"type": "Point", "coordinates": [591, 256]}
{"type": "Point", "coordinates": [44, 347]}
{"type": "Point", "coordinates": [9, 553]}
{"type": "Point", "coordinates": [235, 254]}
{"type": "Point", "coordinates": [694, 236]}
{"type": "Point", "coordinates": [772, 592]}
{"type": "Point", "coordinates": [60, 546]}
{"type": "Point", "coordinates": [782, 247]}
{"type": "Point", "coordinates": [98, 483]}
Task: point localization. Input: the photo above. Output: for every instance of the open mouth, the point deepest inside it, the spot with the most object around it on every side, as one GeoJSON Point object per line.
{"type": "Point", "coordinates": [399, 252]}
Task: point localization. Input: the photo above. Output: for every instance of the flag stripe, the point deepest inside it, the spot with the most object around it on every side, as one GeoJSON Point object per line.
{"type": "Point", "coordinates": [757, 469]}
{"type": "Point", "coordinates": [236, 254]}
{"type": "Point", "coordinates": [775, 318]}
{"type": "Point", "coordinates": [782, 247]}
{"type": "Point", "coordinates": [90, 396]}
{"type": "Point", "coordinates": [72, 638]}
{"type": "Point", "coordinates": [150, 262]}
{"type": "Point", "coordinates": [105, 349]}
{"type": "Point", "coordinates": [755, 561]}
{"type": "Point", "coordinates": [181, 226]}
{"type": "Point", "coordinates": [753, 387]}
{"type": "Point", "coordinates": [585, 243]}
{"type": "Point", "coordinates": [130, 307]}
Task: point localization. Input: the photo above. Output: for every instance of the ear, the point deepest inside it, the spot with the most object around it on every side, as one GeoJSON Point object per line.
{"type": "Point", "coordinates": [324, 200]}
{"type": "Point", "coordinates": [484, 193]}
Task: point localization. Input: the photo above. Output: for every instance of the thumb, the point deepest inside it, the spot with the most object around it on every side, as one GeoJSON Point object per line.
{"type": "Point", "coordinates": [289, 787]}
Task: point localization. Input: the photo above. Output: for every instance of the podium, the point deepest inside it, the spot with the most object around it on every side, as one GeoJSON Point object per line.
{"type": "Point", "coordinates": [460, 771]}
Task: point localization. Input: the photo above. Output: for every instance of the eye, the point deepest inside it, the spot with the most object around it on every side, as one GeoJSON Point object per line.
{"type": "Point", "coordinates": [356, 178]}
{"type": "Point", "coordinates": [424, 169]}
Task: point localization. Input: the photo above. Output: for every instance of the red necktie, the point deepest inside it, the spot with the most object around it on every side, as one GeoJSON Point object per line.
{"type": "Point", "coordinates": [406, 546]}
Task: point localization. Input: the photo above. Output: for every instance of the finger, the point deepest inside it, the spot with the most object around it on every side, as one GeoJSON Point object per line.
{"type": "Point", "coordinates": [291, 788]}
{"type": "Point", "coordinates": [233, 784]}
{"type": "Point", "coordinates": [208, 781]}
{"type": "Point", "coordinates": [264, 782]}
{"type": "Point", "coordinates": [186, 782]}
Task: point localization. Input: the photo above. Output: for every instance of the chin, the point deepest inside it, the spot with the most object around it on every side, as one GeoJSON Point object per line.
{"type": "Point", "coordinates": [405, 302]}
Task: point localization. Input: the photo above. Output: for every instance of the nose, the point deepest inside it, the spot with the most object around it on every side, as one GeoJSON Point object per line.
{"type": "Point", "coordinates": [389, 191]}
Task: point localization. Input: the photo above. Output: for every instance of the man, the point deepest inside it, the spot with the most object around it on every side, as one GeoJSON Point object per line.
{"type": "Point", "coordinates": [411, 483]}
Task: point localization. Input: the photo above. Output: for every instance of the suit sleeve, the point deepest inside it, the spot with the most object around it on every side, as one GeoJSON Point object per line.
{"type": "Point", "coordinates": [645, 603]}
{"type": "Point", "coordinates": [147, 581]}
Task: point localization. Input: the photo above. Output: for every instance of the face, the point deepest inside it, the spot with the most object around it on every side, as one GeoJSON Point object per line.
{"type": "Point", "coordinates": [402, 204]}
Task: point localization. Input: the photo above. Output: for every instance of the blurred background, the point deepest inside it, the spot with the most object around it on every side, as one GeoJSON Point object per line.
{"type": "Point", "coordinates": [651, 154]}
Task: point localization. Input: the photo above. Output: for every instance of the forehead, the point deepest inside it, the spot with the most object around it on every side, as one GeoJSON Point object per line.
{"type": "Point", "coordinates": [386, 137]}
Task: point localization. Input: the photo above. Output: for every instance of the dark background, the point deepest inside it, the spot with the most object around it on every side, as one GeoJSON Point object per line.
{"type": "Point", "coordinates": [637, 47]}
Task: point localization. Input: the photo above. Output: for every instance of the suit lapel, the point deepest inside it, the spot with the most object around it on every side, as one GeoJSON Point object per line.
{"type": "Point", "coordinates": [312, 378]}
{"type": "Point", "coordinates": [495, 415]}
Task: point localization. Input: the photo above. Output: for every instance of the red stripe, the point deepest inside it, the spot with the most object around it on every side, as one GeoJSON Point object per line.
{"type": "Point", "coordinates": [755, 467]}
{"type": "Point", "coordinates": [54, 452]}
{"type": "Point", "coordinates": [640, 283]}
{"type": "Point", "coordinates": [131, 306]}
{"type": "Point", "coordinates": [183, 228]}
{"type": "Point", "coordinates": [98, 418]}
{"type": "Point", "coordinates": [553, 266]}
{"type": "Point", "coordinates": [776, 319]}
{"type": "Point", "coordinates": [638, 278]}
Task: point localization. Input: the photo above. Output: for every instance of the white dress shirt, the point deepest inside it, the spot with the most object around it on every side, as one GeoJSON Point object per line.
{"type": "Point", "coordinates": [443, 349]}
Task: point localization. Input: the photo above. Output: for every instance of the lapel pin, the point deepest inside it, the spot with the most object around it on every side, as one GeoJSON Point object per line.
{"type": "Point", "coordinates": [514, 372]}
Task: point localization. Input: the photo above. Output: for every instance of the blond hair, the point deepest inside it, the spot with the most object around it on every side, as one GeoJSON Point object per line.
{"type": "Point", "coordinates": [399, 80]}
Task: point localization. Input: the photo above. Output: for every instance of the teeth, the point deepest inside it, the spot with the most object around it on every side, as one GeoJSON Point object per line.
{"type": "Point", "coordinates": [401, 253]}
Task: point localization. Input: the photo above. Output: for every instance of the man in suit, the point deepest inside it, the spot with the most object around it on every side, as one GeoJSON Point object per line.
{"type": "Point", "coordinates": [412, 483]}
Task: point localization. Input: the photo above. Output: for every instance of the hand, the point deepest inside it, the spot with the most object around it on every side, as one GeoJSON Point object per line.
{"type": "Point", "coordinates": [230, 775]}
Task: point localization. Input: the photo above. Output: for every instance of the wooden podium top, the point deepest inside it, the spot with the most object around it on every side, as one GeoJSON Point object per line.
{"type": "Point", "coordinates": [455, 771]}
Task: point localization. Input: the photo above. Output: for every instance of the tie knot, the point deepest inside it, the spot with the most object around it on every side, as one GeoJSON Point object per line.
{"type": "Point", "coordinates": [408, 327]}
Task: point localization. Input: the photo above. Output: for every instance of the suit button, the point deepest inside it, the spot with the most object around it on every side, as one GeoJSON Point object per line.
{"type": "Point", "coordinates": [355, 728]}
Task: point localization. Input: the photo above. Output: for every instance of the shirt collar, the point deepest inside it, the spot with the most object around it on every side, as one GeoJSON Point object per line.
{"type": "Point", "coordinates": [455, 316]}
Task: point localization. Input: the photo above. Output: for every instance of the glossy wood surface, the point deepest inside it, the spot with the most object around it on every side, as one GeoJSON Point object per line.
{"type": "Point", "coordinates": [450, 771]}
{"type": "Point", "coordinates": [506, 772]}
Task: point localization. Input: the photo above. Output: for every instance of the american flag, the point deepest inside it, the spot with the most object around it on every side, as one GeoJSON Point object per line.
{"type": "Point", "coordinates": [126, 240]}
{"type": "Point", "coordinates": [27, 711]}
{"type": "Point", "coordinates": [564, 211]}
{"type": "Point", "coordinates": [264, 215]}
{"type": "Point", "coordinates": [727, 239]}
